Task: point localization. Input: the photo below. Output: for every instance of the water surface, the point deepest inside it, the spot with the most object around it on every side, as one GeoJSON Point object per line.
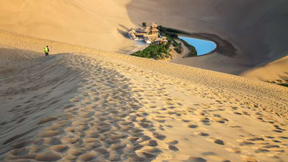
{"type": "Point", "coordinates": [202, 46]}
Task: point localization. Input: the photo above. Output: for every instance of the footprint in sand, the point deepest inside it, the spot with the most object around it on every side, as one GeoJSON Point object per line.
{"type": "Point", "coordinates": [114, 156]}
{"type": "Point", "coordinates": [219, 142]}
{"type": "Point", "coordinates": [205, 121]}
{"type": "Point", "coordinates": [246, 143]}
{"type": "Point", "coordinates": [201, 134]}
{"type": "Point", "coordinates": [216, 141]}
{"type": "Point", "coordinates": [48, 133]}
{"type": "Point", "coordinates": [60, 148]}
{"type": "Point", "coordinates": [89, 156]}
{"type": "Point", "coordinates": [234, 150]}
{"type": "Point", "coordinates": [173, 148]}
{"type": "Point", "coordinates": [69, 140]}
{"type": "Point", "coordinates": [159, 136]}
{"type": "Point", "coordinates": [45, 120]}
{"type": "Point", "coordinates": [19, 152]}
{"type": "Point", "coordinates": [192, 126]}
{"type": "Point", "coordinates": [75, 152]}
{"type": "Point", "coordinates": [148, 152]}
{"type": "Point", "coordinates": [237, 113]}
{"type": "Point", "coordinates": [173, 142]}
{"type": "Point", "coordinates": [195, 159]}
{"type": "Point", "coordinates": [48, 156]}
{"type": "Point", "coordinates": [150, 143]}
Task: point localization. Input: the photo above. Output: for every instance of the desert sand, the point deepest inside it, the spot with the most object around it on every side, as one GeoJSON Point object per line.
{"type": "Point", "coordinates": [273, 71]}
{"type": "Point", "coordinates": [85, 102]}
{"type": "Point", "coordinates": [81, 104]}
{"type": "Point", "coordinates": [255, 28]}
{"type": "Point", "coordinates": [96, 24]}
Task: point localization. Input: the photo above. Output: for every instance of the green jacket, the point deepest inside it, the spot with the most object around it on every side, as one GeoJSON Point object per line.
{"type": "Point", "coordinates": [46, 50]}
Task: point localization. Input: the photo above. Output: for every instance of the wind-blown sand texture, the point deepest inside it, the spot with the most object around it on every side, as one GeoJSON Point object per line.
{"type": "Point", "coordinates": [276, 70]}
{"type": "Point", "coordinates": [256, 28]}
{"type": "Point", "coordinates": [96, 24]}
{"type": "Point", "coordinates": [82, 104]}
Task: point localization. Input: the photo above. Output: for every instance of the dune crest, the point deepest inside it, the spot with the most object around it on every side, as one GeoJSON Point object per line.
{"type": "Point", "coordinates": [87, 23]}
{"type": "Point", "coordinates": [273, 71]}
{"type": "Point", "coordinates": [256, 28]}
{"type": "Point", "coordinates": [108, 106]}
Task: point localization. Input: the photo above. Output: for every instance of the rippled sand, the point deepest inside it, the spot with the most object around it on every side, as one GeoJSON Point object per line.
{"type": "Point", "coordinates": [82, 104]}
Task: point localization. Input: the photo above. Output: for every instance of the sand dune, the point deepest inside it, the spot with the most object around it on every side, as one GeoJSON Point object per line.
{"type": "Point", "coordinates": [88, 23]}
{"type": "Point", "coordinates": [82, 104]}
{"type": "Point", "coordinates": [256, 28]}
{"type": "Point", "coordinates": [276, 70]}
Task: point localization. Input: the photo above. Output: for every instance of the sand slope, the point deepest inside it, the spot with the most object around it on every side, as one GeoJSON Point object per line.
{"type": "Point", "coordinates": [87, 23]}
{"type": "Point", "coordinates": [270, 72]}
{"type": "Point", "coordinates": [256, 28]}
{"type": "Point", "coordinates": [84, 104]}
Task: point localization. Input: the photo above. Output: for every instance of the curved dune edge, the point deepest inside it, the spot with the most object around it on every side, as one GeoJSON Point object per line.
{"type": "Point", "coordinates": [273, 71]}
{"type": "Point", "coordinates": [61, 21]}
{"type": "Point", "coordinates": [135, 109]}
{"type": "Point", "coordinates": [258, 33]}
{"type": "Point", "coordinates": [194, 75]}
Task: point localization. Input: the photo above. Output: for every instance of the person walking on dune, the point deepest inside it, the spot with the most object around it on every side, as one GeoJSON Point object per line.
{"type": "Point", "coordinates": [46, 51]}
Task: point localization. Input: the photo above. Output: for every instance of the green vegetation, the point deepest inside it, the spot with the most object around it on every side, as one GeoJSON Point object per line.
{"type": "Point", "coordinates": [171, 30]}
{"type": "Point", "coordinates": [283, 84]}
{"type": "Point", "coordinates": [192, 49]}
{"type": "Point", "coordinates": [277, 82]}
{"type": "Point", "coordinates": [178, 47]}
{"type": "Point", "coordinates": [162, 51]}
{"type": "Point", "coordinates": [166, 32]}
{"type": "Point", "coordinates": [155, 51]}
{"type": "Point", "coordinates": [171, 34]}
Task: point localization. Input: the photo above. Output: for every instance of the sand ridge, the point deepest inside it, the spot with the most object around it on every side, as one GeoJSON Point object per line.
{"type": "Point", "coordinates": [126, 108]}
{"type": "Point", "coordinates": [272, 71]}
{"type": "Point", "coordinates": [256, 28]}
{"type": "Point", "coordinates": [93, 23]}
{"type": "Point", "coordinates": [258, 34]}
{"type": "Point", "coordinates": [124, 113]}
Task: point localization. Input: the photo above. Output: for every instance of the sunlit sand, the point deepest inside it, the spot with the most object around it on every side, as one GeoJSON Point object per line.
{"type": "Point", "coordinates": [84, 103]}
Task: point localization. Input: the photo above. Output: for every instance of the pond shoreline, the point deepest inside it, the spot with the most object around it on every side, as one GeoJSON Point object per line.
{"type": "Point", "coordinates": [187, 44]}
{"type": "Point", "coordinates": [223, 47]}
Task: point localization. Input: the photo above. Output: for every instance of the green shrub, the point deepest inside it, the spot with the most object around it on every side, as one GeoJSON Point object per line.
{"type": "Point", "coordinates": [152, 54]}
{"type": "Point", "coordinates": [154, 51]}
{"type": "Point", "coordinates": [192, 49]}
{"type": "Point", "coordinates": [178, 49]}
{"type": "Point", "coordinates": [284, 84]}
{"type": "Point", "coordinates": [175, 44]}
{"type": "Point", "coordinates": [168, 44]}
{"type": "Point", "coordinates": [171, 35]}
{"type": "Point", "coordinates": [157, 57]}
{"type": "Point", "coordinates": [162, 50]}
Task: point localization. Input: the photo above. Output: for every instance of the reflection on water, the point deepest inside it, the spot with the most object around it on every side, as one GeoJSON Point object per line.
{"type": "Point", "coordinates": [202, 46]}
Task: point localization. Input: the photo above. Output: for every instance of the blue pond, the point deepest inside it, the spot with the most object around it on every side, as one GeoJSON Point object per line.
{"type": "Point", "coordinates": [202, 46]}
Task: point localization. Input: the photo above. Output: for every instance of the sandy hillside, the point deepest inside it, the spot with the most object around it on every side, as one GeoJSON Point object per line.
{"type": "Point", "coordinates": [82, 104]}
{"type": "Point", "coordinates": [276, 70]}
{"type": "Point", "coordinates": [256, 28]}
{"type": "Point", "coordinates": [88, 23]}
